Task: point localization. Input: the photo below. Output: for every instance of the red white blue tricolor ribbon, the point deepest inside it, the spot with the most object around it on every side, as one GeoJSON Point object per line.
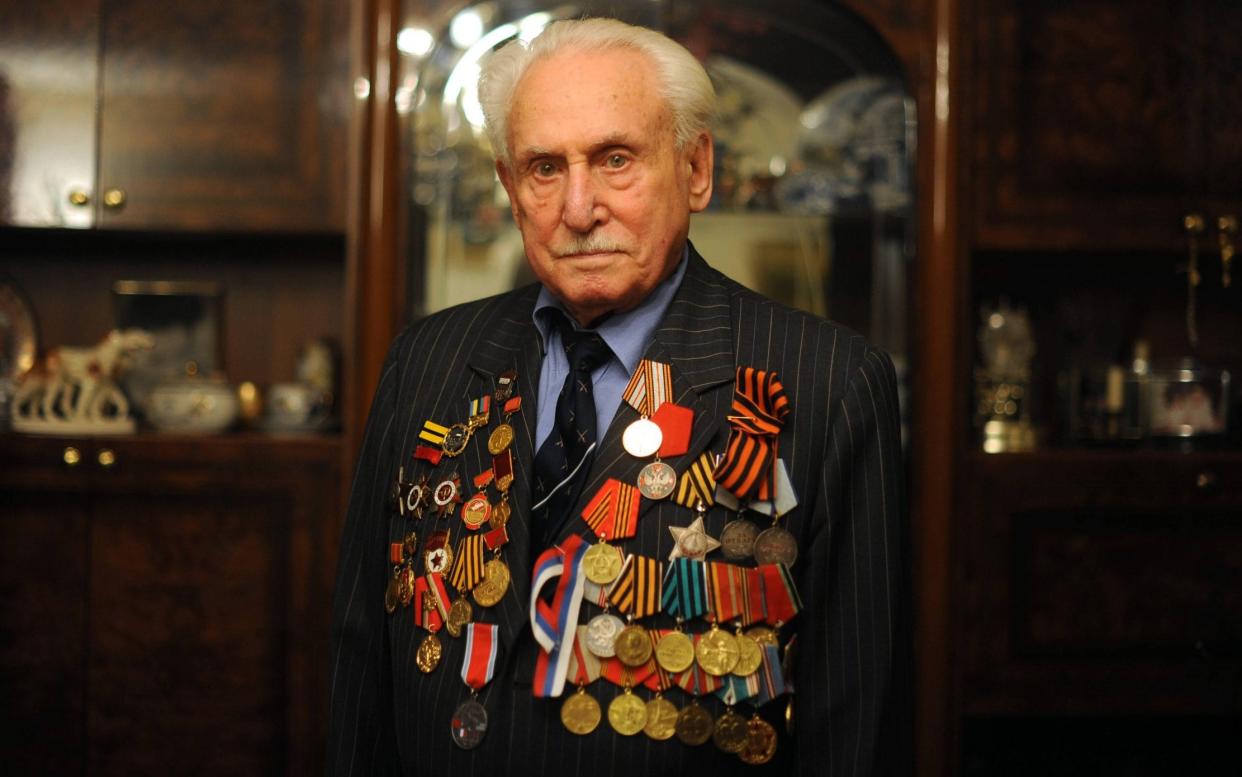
{"type": "Point", "coordinates": [554, 625]}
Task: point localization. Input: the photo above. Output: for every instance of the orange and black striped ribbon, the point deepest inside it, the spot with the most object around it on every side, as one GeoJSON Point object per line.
{"type": "Point", "coordinates": [638, 590]}
{"type": "Point", "coordinates": [697, 483]}
{"type": "Point", "coordinates": [650, 386]}
{"type": "Point", "coordinates": [759, 410]}
{"type": "Point", "coordinates": [613, 512]}
{"type": "Point", "coordinates": [468, 564]}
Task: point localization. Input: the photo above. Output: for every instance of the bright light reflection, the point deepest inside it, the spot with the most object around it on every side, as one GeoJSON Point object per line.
{"type": "Point", "coordinates": [466, 28]}
{"type": "Point", "coordinates": [415, 41]}
{"type": "Point", "coordinates": [462, 84]}
{"type": "Point", "coordinates": [530, 27]}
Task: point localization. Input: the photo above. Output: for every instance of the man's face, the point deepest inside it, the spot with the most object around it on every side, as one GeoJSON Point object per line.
{"type": "Point", "coordinates": [600, 192]}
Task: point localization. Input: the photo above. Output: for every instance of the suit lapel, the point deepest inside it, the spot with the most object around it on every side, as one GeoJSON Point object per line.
{"type": "Point", "coordinates": [516, 348]}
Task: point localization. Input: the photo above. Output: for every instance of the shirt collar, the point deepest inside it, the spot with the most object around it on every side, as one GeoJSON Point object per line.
{"type": "Point", "coordinates": [628, 333]}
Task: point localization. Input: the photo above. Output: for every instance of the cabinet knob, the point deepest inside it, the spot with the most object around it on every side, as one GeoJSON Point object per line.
{"type": "Point", "coordinates": [72, 456]}
{"type": "Point", "coordinates": [106, 458]}
{"type": "Point", "coordinates": [114, 198]}
{"type": "Point", "coordinates": [79, 198]}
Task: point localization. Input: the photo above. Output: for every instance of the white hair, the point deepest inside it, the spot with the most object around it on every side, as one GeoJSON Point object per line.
{"type": "Point", "coordinates": [683, 81]}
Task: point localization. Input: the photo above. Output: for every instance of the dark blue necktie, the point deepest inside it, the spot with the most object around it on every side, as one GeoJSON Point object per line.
{"type": "Point", "coordinates": [563, 459]}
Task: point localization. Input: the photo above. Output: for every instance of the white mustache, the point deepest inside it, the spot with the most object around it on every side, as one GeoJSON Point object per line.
{"type": "Point", "coordinates": [588, 245]}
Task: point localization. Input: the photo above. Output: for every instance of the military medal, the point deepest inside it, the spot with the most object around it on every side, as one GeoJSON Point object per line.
{"type": "Point", "coordinates": [657, 480]}
{"type": "Point", "coordinates": [717, 652]}
{"type": "Point", "coordinates": [749, 655]}
{"type": "Point", "coordinates": [601, 634]}
{"type": "Point", "coordinates": [661, 719]}
{"type": "Point", "coordinates": [459, 614]}
{"type": "Point", "coordinates": [694, 726]}
{"type": "Point", "coordinates": [760, 744]}
{"type": "Point", "coordinates": [633, 646]}
{"type": "Point", "coordinates": [495, 583]}
{"type": "Point", "coordinates": [502, 466]}
{"type": "Point", "coordinates": [674, 652]}
{"type": "Point", "coordinates": [437, 556]}
{"type": "Point", "coordinates": [447, 495]}
{"type": "Point", "coordinates": [627, 713]}
{"type": "Point", "coordinates": [580, 712]}
{"type": "Point", "coordinates": [781, 600]}
{"type": "Point", "coordinates": [691, 541]}
{"type": "Point", "coordinates": [685, 589]}
{"type": "Point", "coordinates": [697, 487]}
{"type": "Point", "coordinates": [390, 592]}
{"type": "Point", "coordinates": [641, 438]}
{"type": "Point", "coordinates": [502, 436]}
{"type": "Point", "coordinates": [758, 413]}
{"type": "Point", "coordinates": [602, 563]}
{"type": "Point", "coordinates": [477, 509]}
{"type": "Point", "coordinates": [469, 724]}
{"type": "Point", "coordinates": [405, 585]}
{"type": "Point", "coordinates": [737, 539]}
{"type": "Point", "coordinates": [467, 568]}
{"type": "Point", "coordinates": [505, 385]}
{"type": "Point", "coordinates": [729, 732]}
{"type": "Point", "coordinates": [427, 658]}
{"type": "Point", "coordinates": [775, 545]}
{"type": "Point", "coordinates": [763, 635]}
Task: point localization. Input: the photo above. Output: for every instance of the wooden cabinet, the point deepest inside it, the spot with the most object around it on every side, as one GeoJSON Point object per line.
{"type": "Point", "coordinates": [1099, 124]}
{"type": "Point", "coordinates": [138, 114]}
{"type": "Point", "coordinates": [167, 608]}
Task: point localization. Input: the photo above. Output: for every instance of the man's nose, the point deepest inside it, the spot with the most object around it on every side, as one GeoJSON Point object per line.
{"type": "Point", "coordinates": [583, 209]}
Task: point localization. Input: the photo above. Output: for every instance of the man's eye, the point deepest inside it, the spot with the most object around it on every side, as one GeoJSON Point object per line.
{"type": "Point", "coordinates": [616, 161]}
{"type": "Point", "coordinates": [545, 169]}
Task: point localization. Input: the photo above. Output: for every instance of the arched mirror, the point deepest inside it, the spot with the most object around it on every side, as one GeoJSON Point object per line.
{"type": "Point", "coordinates": [813, 201]}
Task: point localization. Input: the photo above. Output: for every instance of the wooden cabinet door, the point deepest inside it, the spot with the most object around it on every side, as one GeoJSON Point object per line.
{"type": "Point", "coordinates": [48, 75]}
{"type": "Point", "coordinates": [223, 115]}
{"type": "Point", "coordinates": [1098, 124]}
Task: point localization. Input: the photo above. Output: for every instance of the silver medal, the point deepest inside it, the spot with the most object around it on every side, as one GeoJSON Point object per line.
{"type": "Point", "coordinates": [657, 480]}
{"type": "Point", "coordinates": [774, 545]}
{"type": "Point", "coordinates": [601, 634]}
{"type": "Point", "coordinates": [642, 438]}
{"type": "Point", "coordinates": [737, 539]}
{"type": "Point", "coordinates": [469, 724]}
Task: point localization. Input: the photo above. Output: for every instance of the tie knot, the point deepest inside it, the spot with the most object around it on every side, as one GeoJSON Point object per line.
{"type": "Point", "coordinates": [585, 350]}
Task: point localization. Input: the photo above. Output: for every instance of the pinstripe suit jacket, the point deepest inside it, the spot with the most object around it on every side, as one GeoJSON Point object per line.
{"type": "Point", "coordinates": [841, 445]}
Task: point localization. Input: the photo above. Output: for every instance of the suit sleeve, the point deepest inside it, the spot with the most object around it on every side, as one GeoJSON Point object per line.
{"type": "Point", "coordinates": [361, 736]}
{"type": "Point", "coordinates": [853, 663]}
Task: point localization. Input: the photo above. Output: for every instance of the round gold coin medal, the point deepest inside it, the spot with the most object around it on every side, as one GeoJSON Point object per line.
{"type": "Point", "coordinates": [580, 713]}
{"type": "Point", "coordinates": [661, 719]}
{"type": "Point", "coordinates": [694, 725]}
{"type": "Point", "coordinates": [428, 656]}
{"type": "Point", "coordinates": [499, 439]}
{"type": "Point", "coordinates": [627, 714]}
{"type": "Point", "coordinates": [760, 743]}
{"type": "Point", "coordinates": [749, 656]}
{"type": "Point", "coordinates": [729, 733]}
{"type": "Point", "coordinates": [602, 563]}
{"type": "Point", "coordinates": [495, 583]}
{"type": "Point", "coordinates": [674, 652]}
{"type": "Point", "coordinates": [717, 652]}
{"type": "Point", "coordinates": [633, 646]}
{"type": "Point", "coordinates": [459, 614]}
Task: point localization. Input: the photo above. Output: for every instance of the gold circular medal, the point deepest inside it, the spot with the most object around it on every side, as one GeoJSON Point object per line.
{"type": "Point", "coordinates": [674, 652]}
{"type": "Point", "coordinates": [763, 636]}
{"type": "Point", "coordinates": [730, 732]}
{"type": "Point", "coordinates": [694, 725]}
{"type": "Point", "coordinates": [627, 714]}
{"type": "Point", "coordinates": [657, 480]}
{"type": "Point", "coordinates": [717, 652]}
{"type": "Point", "coordinates": [475, 512]}
{"type": "Point", "coordinates": [491, 589]}
{"type": "Point", "coordinates": [580, 713]}
{"type": "Point", "coordinates": [405, 587]}
{"type": "Point", "coordinates": [642, 438]}
{"type": "Point", "coordinates": [500, 514]}
{"type": "Point", "coordinates": [749, 656]}
{"type": "Point", "coordinates": [499, 439]}
{"type": "Point", "coordinates": [760, 743]}
{"type": "Point", "coordinates": [428, 656]}
{"type": "Point", "coordinates": [459, 614]}
{"type": "Point", "coordinates": [602, 563]}
{"type": "Point", "coordinates": [390, 595]}
{"type": "Point", "coordinates": [633, 646]}
{"type": "Point", "coordinates": [661, 719]}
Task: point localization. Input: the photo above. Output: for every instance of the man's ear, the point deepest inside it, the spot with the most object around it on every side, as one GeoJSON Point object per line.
{"type": "Point", "coordinates": [506, 180]}
{"type": "Point", "coordinates": [701, 157]}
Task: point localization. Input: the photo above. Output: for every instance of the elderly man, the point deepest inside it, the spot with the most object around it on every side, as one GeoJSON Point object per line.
{"type": "Point", "coordinates": [635, 518]}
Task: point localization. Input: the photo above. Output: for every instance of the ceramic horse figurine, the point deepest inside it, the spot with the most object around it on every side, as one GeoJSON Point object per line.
{"type": "Point", "coordinates": [75, 388]}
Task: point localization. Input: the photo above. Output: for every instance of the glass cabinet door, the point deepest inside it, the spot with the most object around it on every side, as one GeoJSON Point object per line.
{"type": "Point", "coordinates": [813, 199]}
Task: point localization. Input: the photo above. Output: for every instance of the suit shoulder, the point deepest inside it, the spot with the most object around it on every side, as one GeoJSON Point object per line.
{"type": "Point", "coordinates": [469, 321]}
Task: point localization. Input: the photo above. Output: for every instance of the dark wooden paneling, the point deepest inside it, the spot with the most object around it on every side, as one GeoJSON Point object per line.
{"type": "Point", "coordinates": [224, 115]}
{"type": "Point", "coordinates": [1099, 124]}
{"type": "Point", "coordinates": [43, 545]}
{"type": "Point", "coordinates": [1102, 583]}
